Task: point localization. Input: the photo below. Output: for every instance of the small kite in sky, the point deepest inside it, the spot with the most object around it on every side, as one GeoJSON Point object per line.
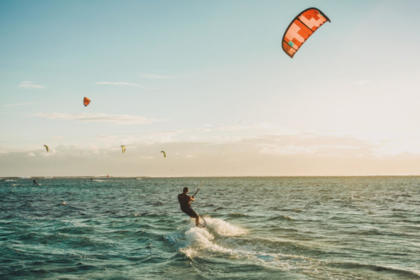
{"type": "Point", "coordinates": [86, 101]}
{"type": "Point", "coordinates": [301, 28]}
{"type": "Point", "coordinates": [46, 148]}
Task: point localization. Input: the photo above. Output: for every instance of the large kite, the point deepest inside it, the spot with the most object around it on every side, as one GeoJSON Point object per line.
{"type": "Point", "coordinates": [301, 28]}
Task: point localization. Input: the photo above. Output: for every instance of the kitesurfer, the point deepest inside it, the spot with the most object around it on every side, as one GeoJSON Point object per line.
{"type": "Point", "coordinates": [34, 182]}
{"type": "Point", "coordinates": [185, 204]}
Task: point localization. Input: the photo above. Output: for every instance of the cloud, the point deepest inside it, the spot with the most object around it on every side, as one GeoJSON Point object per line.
{"type": "Point", "coordinates": [270, 155]}
{"type": "Point", "coordinates": [150, 76]}
{"type": "Point", "coordinates": [121, 84]}
{"type": "Point", "coordinates": [284, 156]}
{"type": "Point", "coordinates": [17, 104]}
{"type": "Point", "coordinates": [361, 82]}
{"type": "Point", "coordinates": [98, 117]}
{"type": "Point", "coordinates": [312, 144]}
{"type": "Point", "coordinates": [30, 84]}
{"type": "Point", "coordinates": [143, 138]}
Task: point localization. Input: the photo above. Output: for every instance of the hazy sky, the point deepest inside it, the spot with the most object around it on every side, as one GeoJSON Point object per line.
{"type": "Point", "coordinates": [208, 82]}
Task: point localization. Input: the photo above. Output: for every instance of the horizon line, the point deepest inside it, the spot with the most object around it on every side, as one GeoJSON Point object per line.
{"type": "Point", "coordinates": [224, 176]}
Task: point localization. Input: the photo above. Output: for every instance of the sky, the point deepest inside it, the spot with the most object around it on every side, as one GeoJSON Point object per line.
{"type": "Point", "coordinates": [208, 82]}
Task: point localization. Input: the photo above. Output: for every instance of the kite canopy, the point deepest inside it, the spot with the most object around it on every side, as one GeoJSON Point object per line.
{"type": "Point", "coordinates": [46, 148]}
{"type": "Point", "coordinates": [86, 101]}
{"type": "Point", "coordinates": [123, 148]}
{"type": "Point", "coordinates": [163, 153]}
{"type": "Point", "coordinates": [301, 28]}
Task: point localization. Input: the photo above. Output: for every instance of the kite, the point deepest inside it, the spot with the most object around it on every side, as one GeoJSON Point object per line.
{"type": "Point", "coordinates": [163, 153]}
{"type": "Point", "coordinates": [301, 28]}
{"type": "Point", "coordinates": [123, 148]}
{"type": "Point", "coordinates": [86, 101]}
{"type": "Point", "coordinates": [47, 148]}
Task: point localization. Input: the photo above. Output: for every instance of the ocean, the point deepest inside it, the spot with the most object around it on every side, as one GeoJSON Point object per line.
{"type": "Point", "coordinates": [257, 228]}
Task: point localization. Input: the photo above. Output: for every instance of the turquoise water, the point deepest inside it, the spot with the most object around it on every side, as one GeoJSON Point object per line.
{"type": "Point", "coordinates": [257, 228]}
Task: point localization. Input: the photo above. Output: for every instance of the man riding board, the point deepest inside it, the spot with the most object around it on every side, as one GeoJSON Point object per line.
{"type": "Point", "coordinates": [185, 203]}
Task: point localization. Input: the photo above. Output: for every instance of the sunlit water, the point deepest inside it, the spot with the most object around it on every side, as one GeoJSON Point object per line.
{"type": "Point", "coordinates": [257, 228]}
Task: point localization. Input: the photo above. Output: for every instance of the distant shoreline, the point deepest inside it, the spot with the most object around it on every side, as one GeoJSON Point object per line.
{"type": "Point", "coordinates": [198, 177]}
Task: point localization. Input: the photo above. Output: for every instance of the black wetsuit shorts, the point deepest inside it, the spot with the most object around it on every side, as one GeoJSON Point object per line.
{"type": "Point", "coordinates": [189, 212]}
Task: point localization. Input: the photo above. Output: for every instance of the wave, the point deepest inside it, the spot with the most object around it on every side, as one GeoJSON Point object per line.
{"type": "Point", "coordinates": [280, 217]}
{"type": "Point", "coordinates": [237, 215]}
{"type": "Point", "coordinates": [296, 210]}
{"type": "Point", "coordinates": [377, 268]}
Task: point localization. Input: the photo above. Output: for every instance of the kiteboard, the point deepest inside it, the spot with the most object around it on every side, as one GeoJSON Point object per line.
{"type": "Point", "coordinates": [203, 223]}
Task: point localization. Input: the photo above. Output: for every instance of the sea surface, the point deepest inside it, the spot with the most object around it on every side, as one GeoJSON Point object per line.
{"type": "Point", "coordinates": [257, 228]}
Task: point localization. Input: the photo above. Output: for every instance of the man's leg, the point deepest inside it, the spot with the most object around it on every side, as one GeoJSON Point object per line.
{"type": "Point", "coordinates": [197, 220]}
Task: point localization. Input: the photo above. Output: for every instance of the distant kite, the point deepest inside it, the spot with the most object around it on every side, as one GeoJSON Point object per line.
{"type": "Point", "coordinates": [163, 153]}
{"type": "Point", "coordinates": [123, 148]}
{"type": "Point", "coordinates": [86, 101]}
{"type": "Point", "coordinates": [47, 148]}
{"type": "Point", "coordinates": [301, 28]}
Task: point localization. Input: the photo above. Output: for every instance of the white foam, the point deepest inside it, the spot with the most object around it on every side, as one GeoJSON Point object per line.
{"type": "Point", "coordinates": [189, 252]}
{"type": "Point", "coordinates": [224, 228]}
{"type": "Point", "coordinates": [201, 239]}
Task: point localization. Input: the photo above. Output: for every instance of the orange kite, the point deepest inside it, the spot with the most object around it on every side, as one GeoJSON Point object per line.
{"type": "Point", "coordinates": [86, 101]}
{"type": "Point", "coordinates": [301, 28]}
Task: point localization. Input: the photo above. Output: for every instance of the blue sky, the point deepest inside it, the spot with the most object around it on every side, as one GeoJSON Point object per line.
{"type": "Point", "coordinates": [165, 73]}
